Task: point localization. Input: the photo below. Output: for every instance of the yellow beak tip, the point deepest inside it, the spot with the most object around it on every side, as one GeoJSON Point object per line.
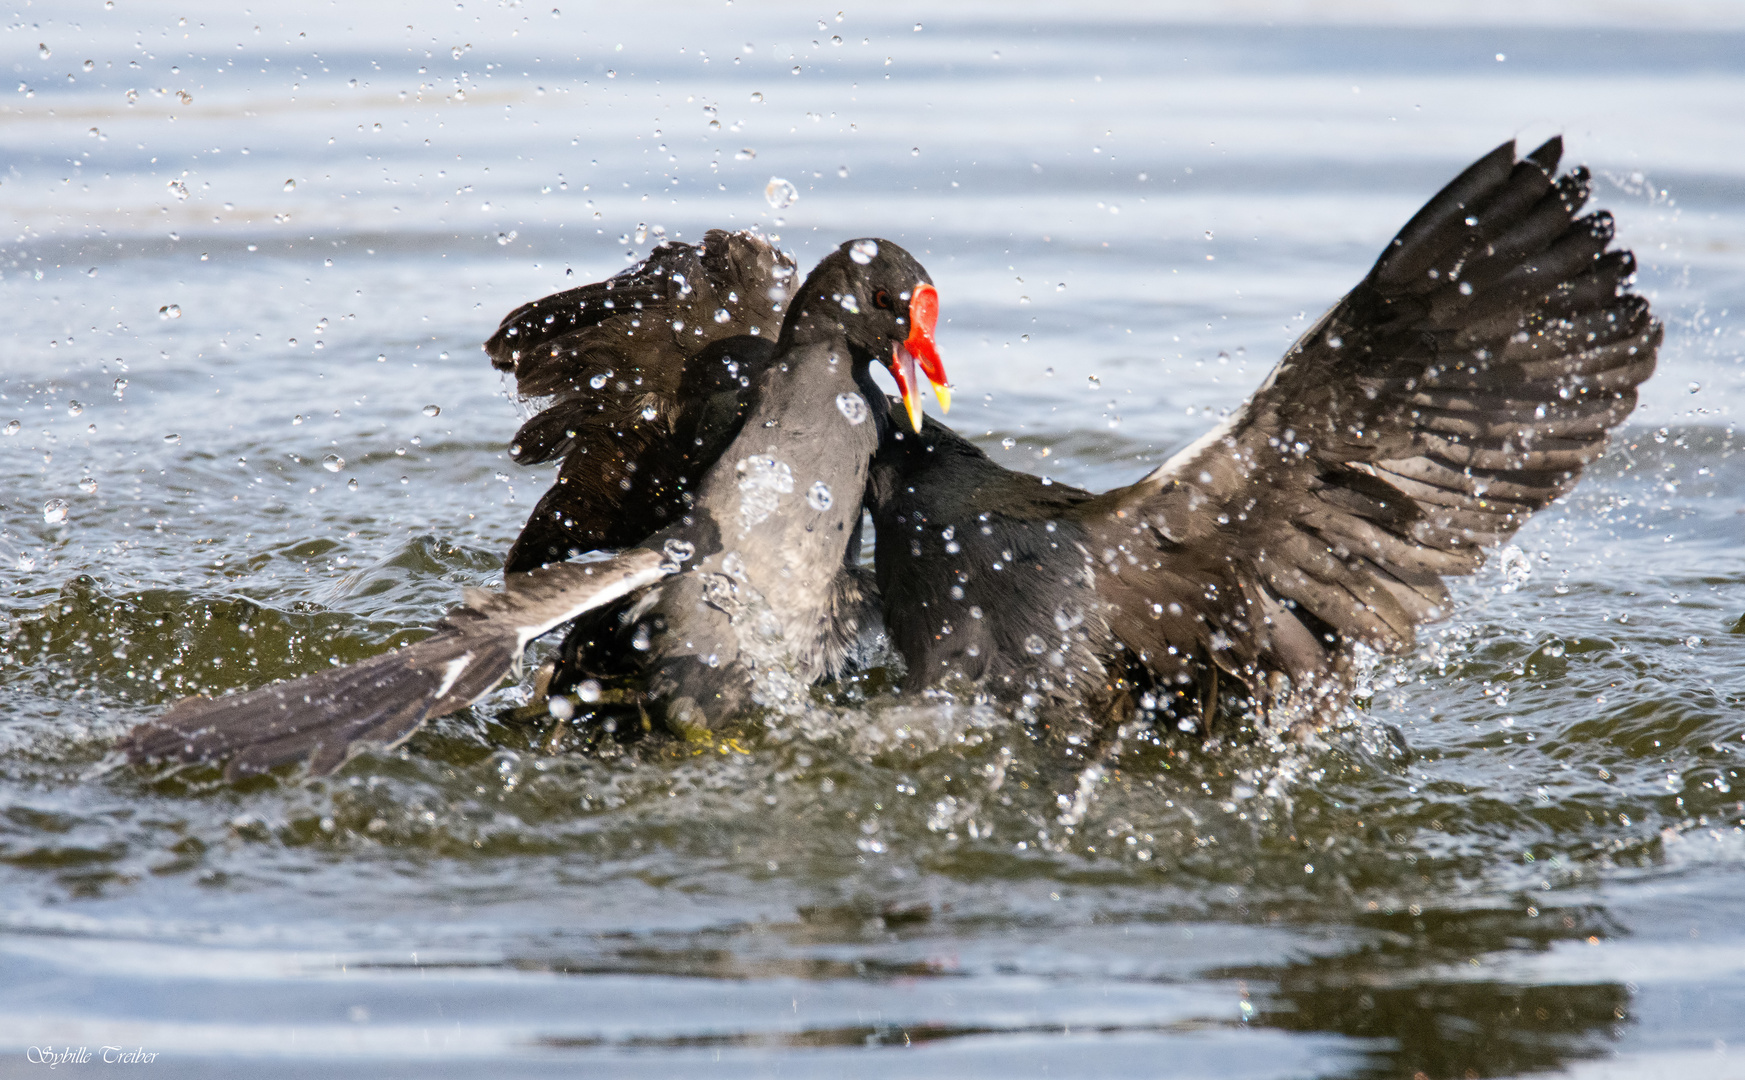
{"type": "Point", "coordinates": [943, 393]}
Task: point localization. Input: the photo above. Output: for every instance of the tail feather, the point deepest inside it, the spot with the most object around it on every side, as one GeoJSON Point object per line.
{"type": "Point", "coordinates": [327, 718]}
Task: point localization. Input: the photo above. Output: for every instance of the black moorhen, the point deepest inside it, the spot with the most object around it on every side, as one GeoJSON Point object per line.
{"type": "Point", "coordinates": [735, 600]}
{"type": "Point", "coordinates": [1462, 385]}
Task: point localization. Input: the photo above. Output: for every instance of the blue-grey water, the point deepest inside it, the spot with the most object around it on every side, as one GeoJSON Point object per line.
{"type": "Point", "coordinates": [244, 252]}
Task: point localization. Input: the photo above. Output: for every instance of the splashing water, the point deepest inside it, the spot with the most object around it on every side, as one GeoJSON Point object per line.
{"type": "Point", "coordinates": [851, 405]}
{"type": "Point", "coordinates": [780, 194]}
{"type": "Point", "coordinates": [762, 482]}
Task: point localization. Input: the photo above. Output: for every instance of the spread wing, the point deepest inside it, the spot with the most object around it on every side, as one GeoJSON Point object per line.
{"type": "Point", "coordinates": [625, 372]}
{"type": "Point", "coordinates": [1464, 384]}
{"type": "Point", "coordinates": [325, 719]}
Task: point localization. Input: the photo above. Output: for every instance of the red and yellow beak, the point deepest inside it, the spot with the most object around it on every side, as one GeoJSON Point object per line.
{"type": "Point", "coordinates": [920, 350]}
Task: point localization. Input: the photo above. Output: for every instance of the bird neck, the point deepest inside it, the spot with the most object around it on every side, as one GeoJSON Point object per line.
{"type": "Point", "coordinates": [778, 510]}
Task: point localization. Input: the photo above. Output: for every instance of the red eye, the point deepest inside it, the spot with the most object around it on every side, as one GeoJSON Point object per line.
{"type": "Point", "coordinates": [882, 299]}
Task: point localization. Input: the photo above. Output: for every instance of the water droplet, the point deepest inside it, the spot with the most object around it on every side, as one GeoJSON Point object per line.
{"type": "Point", "coordinates": [762, 482]}
{"type": "Point", "coordinates": [678, 551]}
{"type": "Point", "coordinates": [796, 70]}
{"type": "Point", "coordinates": [1695, 386]}
{"type": "Point", "coordinates": [381, 358]}
{"type": "Point", "coordinates": [649, 412]}
{"type": "Point", "coordinates": [864, 251]}
{"type": "Point", "coordinates": [850, 404]}
{"type": "Point", "coordinates": [756, 97]}
{"type": "Point", "coordinates": [1094, 383]}
{"type": "Point", "coordinates": [290, 185]}
{"type": "Point", "coordinates": [12, 427]}
{"type": "Point", "coordinates": [914, 151]}
{"type": "Point", "coordinates": [1048, 372]}
{"type": "Point", "coordinates": [172, 439]}
{"type": "Point", "coordinates": [432, 410]}
{"type": "Point", "coordinates": [43, 51]}
{"type": "Point", "coordinates": [560, 708]}
{"type": "Point", "coordinates": [170, 311]}
{"type": "Point", "coordinates": [120, 385]}
{"type": "Point", "coordinates": [55, 511]}
{"type": "Point", "coordinates": [780, 194]}
{"type": "Point", "coordinates": [26, 562]}
{"type": "Point", "coordinates": [588, 691]}
{"type": "Point", "coordinates": [74, 408]}
{"type": "Point", "coordinates": [1034, 645]}
{"type": "Point", "coordinates": [723, 315]}
{"type": "Point", "coordinates": [639, 639]}
{"type": "Point", "coordinates": [88, 485]}
{"type": "Point", "coordinates": [818, 497]}
{"type": "Point", "coordinates": [333, 463]}
{"type": "Point", "coordinates": [351, 485]}
{"type": "Point", "coordinates": [598, 381]}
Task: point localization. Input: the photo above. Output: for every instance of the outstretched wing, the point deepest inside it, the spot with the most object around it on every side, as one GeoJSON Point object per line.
{"type": "Point", "coordinates": [625, 371]}
{"type": "Point", "coordinates": [1464, 384]}
{"type": "Point", "coordinates": [325, 719]}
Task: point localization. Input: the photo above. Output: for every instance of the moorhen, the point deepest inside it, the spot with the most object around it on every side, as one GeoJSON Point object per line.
{"type": "Point", "coordinates": [1462, 385]}
{"type": "Point", "coordinates": [735, 600]}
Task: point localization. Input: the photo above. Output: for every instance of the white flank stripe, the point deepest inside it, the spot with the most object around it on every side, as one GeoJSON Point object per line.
{"type": "Point", "coordinates": [625, 585]}
{"type": "Point", "coordinates": [452, 672]}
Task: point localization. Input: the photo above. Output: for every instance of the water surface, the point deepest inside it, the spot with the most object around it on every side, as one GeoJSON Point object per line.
{"type": "Point", "coordinates": [245, 252]}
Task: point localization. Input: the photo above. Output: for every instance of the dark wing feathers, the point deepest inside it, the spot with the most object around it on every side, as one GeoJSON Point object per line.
{"type": "Point", "coordinates": [1462, 385]}
{"type": "Point", "coordinates": [622, 372]}
{"type": "Point", "coordinates": [326, 718]}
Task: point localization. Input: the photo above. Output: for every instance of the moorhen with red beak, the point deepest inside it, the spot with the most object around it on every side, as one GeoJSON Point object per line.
{"type": "Point", "coordinates": [737, 600]}
{"type": "Point", "coordinates": [1462, 385]}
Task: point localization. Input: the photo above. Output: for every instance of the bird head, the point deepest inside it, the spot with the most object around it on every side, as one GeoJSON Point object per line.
{"type": "Point", "coordinates": [886, 304]}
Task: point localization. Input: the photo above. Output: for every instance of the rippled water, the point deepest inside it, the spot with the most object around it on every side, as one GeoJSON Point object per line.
{"type": "Point", "coordinates": [244, 254]}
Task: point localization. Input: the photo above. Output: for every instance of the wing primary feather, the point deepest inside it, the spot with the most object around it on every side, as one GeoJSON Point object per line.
{"type": "Point", "coordinates": [327, 718]}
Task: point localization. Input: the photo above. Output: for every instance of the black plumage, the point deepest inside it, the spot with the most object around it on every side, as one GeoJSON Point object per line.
{"type": "Point", "coordinates": [1462, 385]}
{"type": "Point", "coordinates": [639, 381]}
